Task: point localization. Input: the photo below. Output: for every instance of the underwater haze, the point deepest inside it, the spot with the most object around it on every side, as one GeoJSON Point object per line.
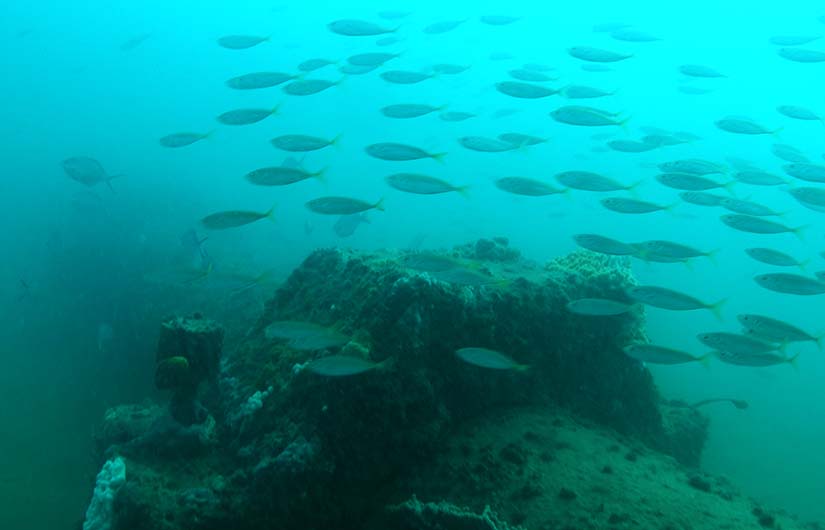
{"type": "Point", "coordinates": [128, 195]}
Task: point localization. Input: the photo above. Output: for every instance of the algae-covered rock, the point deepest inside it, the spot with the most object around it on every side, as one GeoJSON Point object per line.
{"type": "Point", "coordinates": [685, 433]}
{"type": "Point", "coordinates": [124, 423]}
{"type": "Point", "coordinates": [370, 428]}
{"type": "Point", "coordinates": [188, 354]}
{"type": "Point", "coordinates": [574, 441]}
{"type": "Point", "coordinates": [541, 468]}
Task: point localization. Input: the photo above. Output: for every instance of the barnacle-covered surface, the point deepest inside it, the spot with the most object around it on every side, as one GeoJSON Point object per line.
{"type": "Point", "coordinates": [287, 448]}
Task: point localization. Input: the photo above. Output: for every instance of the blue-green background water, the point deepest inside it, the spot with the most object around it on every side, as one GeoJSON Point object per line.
{"type": "Point", "coordinates": [92, 259]}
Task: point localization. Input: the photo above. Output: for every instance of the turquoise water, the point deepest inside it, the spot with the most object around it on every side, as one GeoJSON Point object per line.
{"type": "Point", "coordinates": [79, 260]}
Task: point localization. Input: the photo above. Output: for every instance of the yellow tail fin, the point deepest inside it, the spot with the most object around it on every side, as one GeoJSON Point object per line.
{"type": "Point", "coordinates": [717, 309]}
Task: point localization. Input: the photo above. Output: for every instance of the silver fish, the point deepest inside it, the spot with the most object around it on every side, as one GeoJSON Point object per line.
{"type": "Point", "coordinates": [654, 354]}
{"type": "Point", "coordinates": [444, 26]}
{"type": "Point", "coordinates": [246, 116]}
{"type": "Point", "coordinates": [798, 113]}
{"type": "Point", "coordinates": [371, 58]}
{"type": "Point", "coordinates": [589, 181]}
{"type": "Point", "coordinates": [521, 140]}
{"type": "Point", "coordinates": [400, 152]}
{"type": "Point", "coordinates": [596, 55]}
{"type": "Point", "coordinates": [788, 153]}
{"type": "Point", "coordinates": [408, 110]}
{"type": "Point", "coordinates": [670, 249]}
{"type": "Point", "coordinates": [491, 359]}
{"type": "Point", "coordinates": [755, 360]}
{"type": "Point", "coordinates": [341, 366]}
{"type": "Point", "coordinates": [456, 116]}
{"type": "Point", "coordinates": [486, 145]}
{"type": "Point", "coordinates": [240, 42]}
{"type": "Point", "coordinates": [598, 307]}
{"type": "Point", "coordinates": [305, 335]}
{"type": "Point", "coordinates": [776, 330]}
{"type": "Point", "coordinates": [604, 245]}
{"type": "Point", "coordinates": [586, 116]}
{"type": "Point", "coordinates": [695, 166]}
{"type": "Point", "coordinates": [583, 92]}
{"type": "Point", "coordinates": [630, 146]}
{"type": "Point", "coordinates": [526, 186]}
{"type": "Point", "coordinates": [807, 172]}
{"type": "Point", "coordinates": [258, 80]}
{"type": "Point", "coordinates": [633, 206]}
{"type": "Point", "coordinates": [735, 343]}
{"type": "Point", "coordinates": [748, 207]}
{"type": "Point", "coordinates": [786, 283]}
{"type": "Point", "coordinates": [758, 177]}
{"type": "Point", "coordinates": [182, 139]}
{"type": "Point", "coordinates": [234, 219]}
{"type": "Point", "coordinates": [742, 126]}
{"type": "Point", "coordinates": [690, 182]}
{"type": "Point", "coordinates": [404, 77]}
{"type": "Point", "coordinates": [357, 28]}
{"type": "Point", "coordinates": [812, 198]}
{"type": "Point", "coordinates": [86, 170]}
{"type": "Point", "coordinates": [698, 70]}
{"type": "Point", "coordinates": [665, 298]}
{"type": "Point", "coordinates": [351, 69]}
{"type": "Point", "coordinates": [522, 90]}
{"type": "Point", "coordinates": [450, 69]}
{"type": "Point", "coordinates": [310, 65]}
{"type": "Point", "coordinates": [793, 40]}
{"type": "Point", "coordinates": [701, 198]}
{"type": "Point", "coordinates": [758, 225]}
{"type": "Point", "coordinates": [801, 55]}
{"type": "Point", "coordinates": [309, 87]}
{"type": "Point", "coordinates": [302, 143]}
{"type": "Point", "coordinates": [422, 184]}
{"type": "Point", "coordinates": [342, 205]}
{"type": "Point", "coordinates": [531, 76]}
{"type": "Point", "coordinates": [281, 176]}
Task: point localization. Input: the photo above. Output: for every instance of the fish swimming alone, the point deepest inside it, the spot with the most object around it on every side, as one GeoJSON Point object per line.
{"type": "Point", "coordinates": [486, 358]}
{"type": "Point", "coordinates": [246, 116]}
{"type": "Point", "coordinates": [305, 335]}
{"type": "Point", "coordinates": [240, 42]}
{"type": "Point", "coordinates": [598, 307]}
{"type": "Point", "coordinates": [87, 171]}
{"type": "Point", "coordinates": [234, 218]}
{"type": "Point", "coordinates": [341, 366]}
{"type": "Point", "coordinates": [182, 139]}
